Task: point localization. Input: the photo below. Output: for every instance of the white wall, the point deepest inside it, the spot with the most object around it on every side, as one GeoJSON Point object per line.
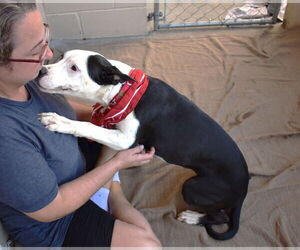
{"type": "Point", "coordinates": [95, 20]}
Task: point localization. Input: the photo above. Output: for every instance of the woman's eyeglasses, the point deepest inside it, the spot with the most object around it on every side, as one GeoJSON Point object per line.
{"type": "Point", "coordinates": [42, 54]}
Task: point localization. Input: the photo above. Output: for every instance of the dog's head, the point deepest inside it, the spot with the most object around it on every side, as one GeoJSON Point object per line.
{"type": "Point", "coordinates": [84, 75]}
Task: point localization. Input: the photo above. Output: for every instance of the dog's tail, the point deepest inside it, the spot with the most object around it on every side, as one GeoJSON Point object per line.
{"type": "Point", "coordinates": [233, 224]}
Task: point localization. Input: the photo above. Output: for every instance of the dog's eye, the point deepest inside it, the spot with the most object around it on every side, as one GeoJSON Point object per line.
{"type": "Point", "coordinates": [74, 68]}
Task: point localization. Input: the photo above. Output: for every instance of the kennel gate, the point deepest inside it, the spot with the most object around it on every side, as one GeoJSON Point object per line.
{"type": "Point", "coordinates": [182, 13]}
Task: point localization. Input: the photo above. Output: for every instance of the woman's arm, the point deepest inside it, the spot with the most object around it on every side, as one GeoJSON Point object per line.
{"type": "Point", "coordinates": [74, 194]}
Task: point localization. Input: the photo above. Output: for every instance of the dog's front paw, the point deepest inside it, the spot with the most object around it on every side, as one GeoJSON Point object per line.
{"type": "Point", "coordinates": [57, 123]}
{"type": "Point", "coordinates": [190, 217]}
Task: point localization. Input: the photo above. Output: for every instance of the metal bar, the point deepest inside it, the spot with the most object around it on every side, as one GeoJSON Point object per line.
{"type": "Point", "coordinates": [165, 12]}
{"type": "Point", "coordinates": [273, 9]}
{"type": "Point", "coordinates": [214, 23]}
{"type": "Point", "coordinates": [156, 15]}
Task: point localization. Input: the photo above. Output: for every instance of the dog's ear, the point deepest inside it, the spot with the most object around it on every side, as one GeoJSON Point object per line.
{"type": "Point", "coordinates": [102, 72]}
{"type": "Point", "coordinates": [119, 76]}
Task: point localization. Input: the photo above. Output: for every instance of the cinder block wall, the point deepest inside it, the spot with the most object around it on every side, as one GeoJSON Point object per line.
{"type": "Point", "coordinates": [95, 20]}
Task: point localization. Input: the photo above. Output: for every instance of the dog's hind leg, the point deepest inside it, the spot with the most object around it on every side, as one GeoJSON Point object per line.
{"type": "Point", "coordinates": [211, 196]}
{"type": "Point", "coordinates": [208, 197]}
{"type": "Point", "coordinates": [190, 217]}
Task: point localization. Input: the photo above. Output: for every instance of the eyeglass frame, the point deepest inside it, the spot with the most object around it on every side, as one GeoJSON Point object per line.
{"type": "Point", "coordinates": [44, 50]}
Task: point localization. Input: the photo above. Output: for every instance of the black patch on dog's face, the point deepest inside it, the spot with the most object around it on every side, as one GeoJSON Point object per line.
{"type": "Point", "coordinates": [102, 72]}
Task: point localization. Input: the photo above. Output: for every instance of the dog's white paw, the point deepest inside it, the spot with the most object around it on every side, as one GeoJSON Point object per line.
{"type": "Point", "coordinates": [57, 123]}
{"type": "Point", "coordinates": [190, 217]}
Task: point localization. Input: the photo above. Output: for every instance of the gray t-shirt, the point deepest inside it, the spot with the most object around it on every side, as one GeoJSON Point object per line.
{"type": "Point", "coordinates": [33, 163]}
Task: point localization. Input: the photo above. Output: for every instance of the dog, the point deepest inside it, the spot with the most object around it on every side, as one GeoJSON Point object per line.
{"type": "Point", "coordinates": [181, 133]}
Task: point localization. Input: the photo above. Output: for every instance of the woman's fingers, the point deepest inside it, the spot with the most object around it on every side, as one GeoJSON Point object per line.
{"type": "Point", "coordinates": [135, 156]}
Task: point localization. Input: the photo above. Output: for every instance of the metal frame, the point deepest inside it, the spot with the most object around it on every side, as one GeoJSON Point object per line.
{"type": "Point", "coordinates": [160, 18]}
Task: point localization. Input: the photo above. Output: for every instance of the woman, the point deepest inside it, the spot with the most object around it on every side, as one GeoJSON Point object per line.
{"type": "Point", "coordinates": [44, 187]}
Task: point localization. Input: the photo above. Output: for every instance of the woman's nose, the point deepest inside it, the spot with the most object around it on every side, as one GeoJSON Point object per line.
{"type": "Point", "coordinates": [49, 54]}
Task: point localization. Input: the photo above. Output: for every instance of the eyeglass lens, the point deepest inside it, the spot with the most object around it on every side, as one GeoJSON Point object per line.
{"type": "Point", "coordinates": [45, 46]}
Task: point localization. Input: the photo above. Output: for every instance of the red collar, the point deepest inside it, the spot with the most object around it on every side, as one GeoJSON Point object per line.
{"type": "Point", "coordinates": [123, 103]}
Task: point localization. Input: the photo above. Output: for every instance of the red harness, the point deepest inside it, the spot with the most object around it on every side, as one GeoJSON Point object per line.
{"type": "Point", "coordinates": [123, 103]}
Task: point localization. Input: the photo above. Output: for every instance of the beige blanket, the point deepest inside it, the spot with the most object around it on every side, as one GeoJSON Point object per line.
{"type": "Point", "coordinates": [248, 80]}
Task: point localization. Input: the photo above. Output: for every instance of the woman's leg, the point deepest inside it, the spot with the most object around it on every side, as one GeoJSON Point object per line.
{"type": "Point", "coordinates": [131, 228]}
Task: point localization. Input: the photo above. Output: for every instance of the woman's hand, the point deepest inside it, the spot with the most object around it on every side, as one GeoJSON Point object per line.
{"type": "Point", "coordinates": [133, 157]}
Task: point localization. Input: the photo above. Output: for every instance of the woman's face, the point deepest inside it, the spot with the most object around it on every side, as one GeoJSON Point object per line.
{"type": "Point", "coordinates": [29, 37]}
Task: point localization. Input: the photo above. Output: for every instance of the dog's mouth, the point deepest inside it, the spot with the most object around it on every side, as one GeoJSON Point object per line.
{"type": "Point", "coordinates": [62, 89]}
{"type": "Point", "coordinates": [53, 90]}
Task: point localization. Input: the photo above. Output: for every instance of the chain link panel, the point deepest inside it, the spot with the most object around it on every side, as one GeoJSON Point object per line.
{"type": "Point", "coordinates": [203, 13]}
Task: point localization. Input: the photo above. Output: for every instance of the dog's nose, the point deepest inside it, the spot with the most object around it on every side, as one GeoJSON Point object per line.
{"type": "Point", "coordinates": [43, 72]}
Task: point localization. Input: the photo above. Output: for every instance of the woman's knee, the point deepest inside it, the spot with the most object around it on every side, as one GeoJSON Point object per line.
{"type": "Point", "coordinates": [128, 235]}
{"type": "Point", "coordinates": [149, 241]}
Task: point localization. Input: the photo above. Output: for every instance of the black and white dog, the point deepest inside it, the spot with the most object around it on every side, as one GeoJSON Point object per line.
{"type": "Point", "coordinates": [181, 133]}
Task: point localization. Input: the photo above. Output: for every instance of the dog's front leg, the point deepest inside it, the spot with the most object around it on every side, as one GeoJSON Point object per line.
{"type": "Point", "coordinates": [114, 138]}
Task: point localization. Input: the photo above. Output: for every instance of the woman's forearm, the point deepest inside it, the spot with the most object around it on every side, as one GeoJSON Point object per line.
{"type": "Point", "coordinates": [74, 194]}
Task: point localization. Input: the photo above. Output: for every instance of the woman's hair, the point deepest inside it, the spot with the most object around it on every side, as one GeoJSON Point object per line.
{"type": "Point", "coordinates": [10, 13]}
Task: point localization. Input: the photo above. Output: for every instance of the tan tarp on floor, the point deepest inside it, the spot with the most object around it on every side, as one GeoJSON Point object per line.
{"type": "Point", "coordinates": [249, 81]}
